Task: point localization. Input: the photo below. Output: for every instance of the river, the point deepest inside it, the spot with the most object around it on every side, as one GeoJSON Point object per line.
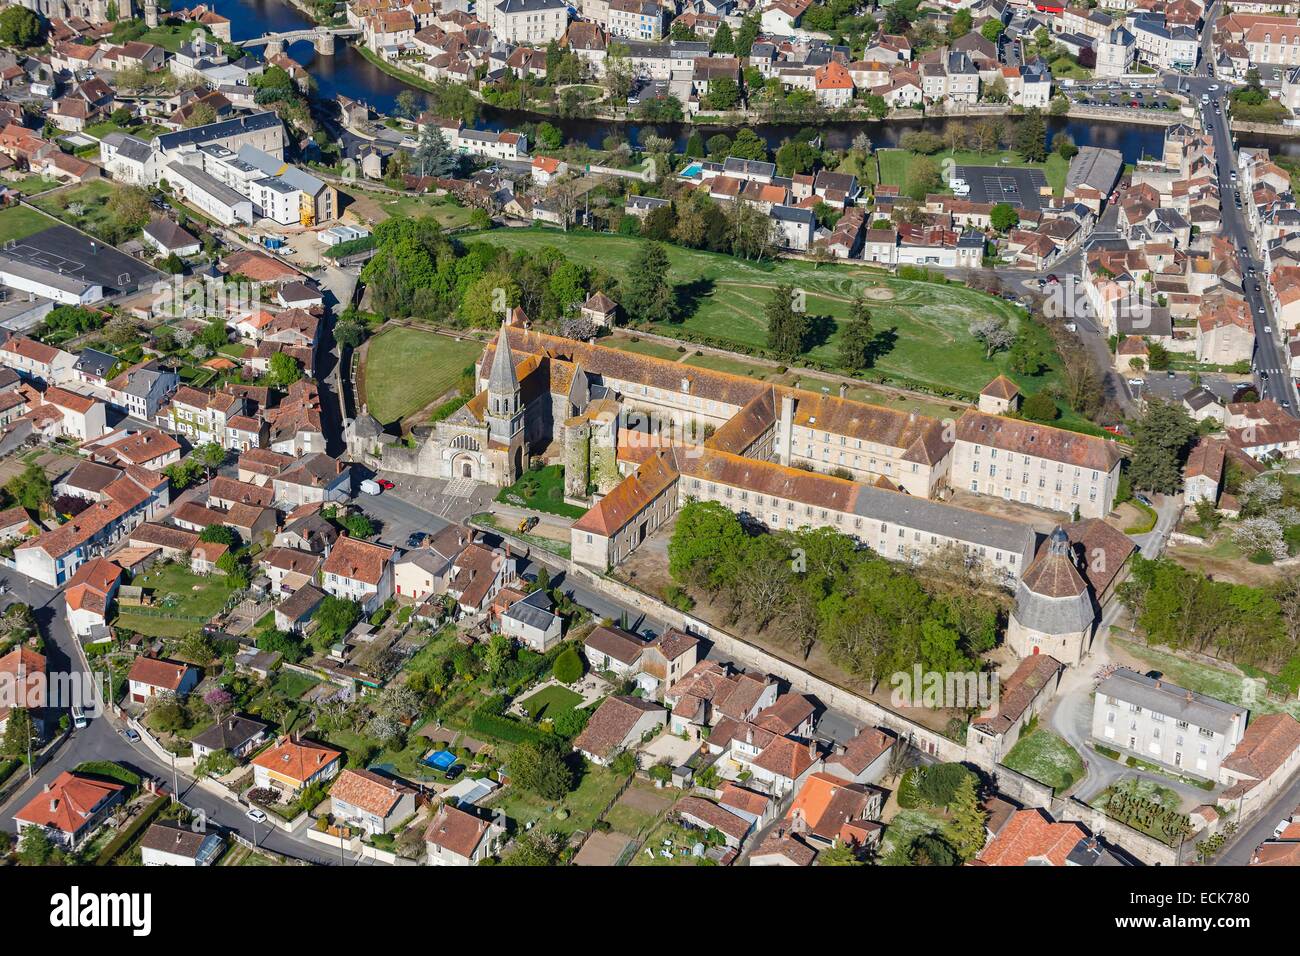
{"type": "Point", "coordinates": [348, 73]}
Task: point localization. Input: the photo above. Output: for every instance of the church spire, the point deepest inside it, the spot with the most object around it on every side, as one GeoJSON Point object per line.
{"type": "Point", "coordinates": [502, 380]}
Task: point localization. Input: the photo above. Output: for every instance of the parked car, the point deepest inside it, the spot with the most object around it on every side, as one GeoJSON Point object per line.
{"type": "Point", "coordinates": [370, 487]}
{"type": "Point", "coordinates": [131, 735]}
{"type": "Point", "coordinates": [256, 815]}
{"type": "Point", "coordinates": [386, 484]}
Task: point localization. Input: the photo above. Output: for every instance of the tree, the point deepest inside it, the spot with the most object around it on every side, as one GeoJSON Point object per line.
{"type": "Point", "coordinates": [349, 333]}
{"type": "Point", "coordinates": [788, 326]}
{"type": "Point", "coordinates": [1004, 217]}
{"type": "Point", "coordinates": [991, 30]}
{"type": "Point", "coordinates": [965, 830]}
{"type": "Point", "coordinates": [995, 333]}
{"type": "Point", "coordinates": [34, 846]}
{"type": "Point", "coordinates": [722, 41]}
{"type": "Point", "coordinates": [923, 177]}
{"type": "Point", "coordinates": [857, 339]}
{"type": "Point", "coordinates": [748, 145]}
{"type": "Point", "coordinates": [334, 618]}
{"type": "Point", "coordinates": [1031, 137]}
{"type": "Point", "coordinates": [19, 733]}
{"type": "Point", "coordinates": [1064, 146]}
{"type": "Point", "coordinates": [536, 847]}
{"type": "Point", "coordinates": [214, 335]}
{"type": "Point", "coordinates": [542, 768]}
{"type": "Point", "coordinates": [20, 27]}
{"type": "Point", "coordinates": [1162, 439]}
{"type": "Point", "coordinates": [358, 525]}
{"type": "Point", "coordinates": [1039, 407]}
{"type": "Point", "coordinates": [567, 668]}
{"type": "Point", "coordinates": [284, 370]}
{"type": "Point", "coordinates": [32, 488]}
{"type": "Point", "coordinates": [839, 854]}
{"type": "Point", "coordinates": [407, 105]}
{"type": "Point", "coordinates": [724, 94]}
{"type": "Point", "coordinates": [796, 156]}
{"type": "Point", "coordinates": [695, 146]}
{"type": "Point", "coordinates": [201, 114]}
{"type": "Point", "coordinates": [219, 534]}
{"type": "Point", "coordinates": [648, 296]}
{"type": "Point", "coordinates": [212, 456]}
{"type": "Point", "coordinates": [433, 157]}
{"type": "Point", "coordinates": [129, 207]}
{"type": "Point", "coordinates": [960, 25]}
{"type": "Point", "coordinates": [704, 546]}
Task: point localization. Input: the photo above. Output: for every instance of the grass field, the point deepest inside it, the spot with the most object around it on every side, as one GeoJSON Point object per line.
{"type": "Point", "coordinates": [906, 826]}
{"type": "Point", "coordinates": [542, 491]}
{"type": "Point", "coordinates": [1047, 758]}
{"type": "Point", "coordinates": [406, 369]}
{"type": "Point", "coordinates": [180, 592]}
{"type": "Point", "coordinates": [550, 702]}
{"type": "Point", "coordinates": [582, 806]}
{"type": "Point", "coordinates": [1212, 681]}
{"type": "Point", "coordinates": [91, 197]}
{"type": "Point", "coordinates": [376, 207]}
{"type": "Point", "coordinates": [19, 222]}
{"type": "Point", "coordinates": [723, 298]}
{"type": "Point", "coordinates": [894, 163]}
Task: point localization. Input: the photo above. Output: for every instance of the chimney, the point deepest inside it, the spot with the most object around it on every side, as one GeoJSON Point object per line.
{"type": "Point", "coordinates": [844, 389]}
{"type": "Point", "coordinates": [812, 749]}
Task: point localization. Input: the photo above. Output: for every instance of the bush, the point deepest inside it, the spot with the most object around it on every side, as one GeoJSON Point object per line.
{"type": "Point", "coordinates": [1039, 407]}
{"type": "Point", "coordinates": [568, 667]}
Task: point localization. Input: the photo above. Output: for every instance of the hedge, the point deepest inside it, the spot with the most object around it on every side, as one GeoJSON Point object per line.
{"type": "Point", "coordinates": [123, 839]}
{"type": "Point", "coordinates": [109, 770]}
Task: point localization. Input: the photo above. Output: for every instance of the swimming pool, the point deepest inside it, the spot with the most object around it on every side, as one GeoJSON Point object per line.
{"type": "Point", "coordinates": [690, 171]}
{"type": "Point", "coordinates": [441, 760]}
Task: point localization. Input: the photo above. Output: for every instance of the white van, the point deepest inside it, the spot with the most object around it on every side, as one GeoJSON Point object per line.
{"type": "Point", "coordinates": [370, 487]}
{"type": "Point", "coordinates": [79, 718]}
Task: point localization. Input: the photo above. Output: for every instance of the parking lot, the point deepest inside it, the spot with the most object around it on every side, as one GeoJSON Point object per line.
{"type": "Point", "coordinates": [1116, 95]}
{"type": "Point", "coordinates": [1022, 188]}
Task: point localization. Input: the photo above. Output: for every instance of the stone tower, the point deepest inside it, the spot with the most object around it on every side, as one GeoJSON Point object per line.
{"type": "Point", "coordinates": [1053, 613]}
{"type": "Point", "coordinates": [151, 13]}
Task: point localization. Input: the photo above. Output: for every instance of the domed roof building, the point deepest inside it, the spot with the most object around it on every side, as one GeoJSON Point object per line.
{"type": "Point", "coordinates": [1054, 611]}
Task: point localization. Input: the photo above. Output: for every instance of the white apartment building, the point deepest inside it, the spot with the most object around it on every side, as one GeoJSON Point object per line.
{"type": "Point", "coordinates": [534, 22]}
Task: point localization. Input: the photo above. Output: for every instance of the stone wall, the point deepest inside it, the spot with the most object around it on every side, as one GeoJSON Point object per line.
{"type": "Point", "coordinates": [758, 659]}
{"type": "Point", "coordinates": [1141, 847]}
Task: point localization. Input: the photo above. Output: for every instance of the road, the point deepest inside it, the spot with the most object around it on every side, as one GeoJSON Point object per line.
{"type": "Point", "coordinates": [1272, 377]}
{"type": "Point", "coordinates": [102, 740]}
{"type": "Point", "coordinates": [1238, 850]}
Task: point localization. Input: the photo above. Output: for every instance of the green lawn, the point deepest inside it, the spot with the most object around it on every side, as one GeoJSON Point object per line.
{"type": "Point", "coordinates": [34, 183]}
{"type": "Point", "coordinates": [1047, 758]}
{"type": "Point", "coordinates": [189, 598]}
{"type": "Point", "coordinates": [449, 213]}
{"type": "Point", "coordinates": [906, 826]}
{"type": "Point", "coordinates": [894, 163]}
{"type": "Point", "coordinates": [549, 703]}
{"type": "Point", "coordinates": [407, 369]}
{"type": "Point", "coordinates": [630, 819]}
{"type": "Point", "coordinates": [19, 222]}
{"type": "Point", "coordinates": [722, 298]}
{"type": "Point", "coordinates": [583, 805]}
{"type": "Point", "coordinates": [642, 347]}
{"type": "Point", "coordinates": [542, 491]}
{"type": "Point", "coordinates": [682, 839]}
{"type": "Point", "coordinates": [91, 200]}
{"type": "Point", "coordinates": [170, 38]}
{"type": "Point", "coordinates": [145, 131]}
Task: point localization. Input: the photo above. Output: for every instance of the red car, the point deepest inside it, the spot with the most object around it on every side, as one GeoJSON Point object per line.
{"type": "Point", "coordinates": [385, 484]}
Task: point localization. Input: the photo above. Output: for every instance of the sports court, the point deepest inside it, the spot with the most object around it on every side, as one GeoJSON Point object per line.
{"type": "Point", "coordinates": [1022, 188]}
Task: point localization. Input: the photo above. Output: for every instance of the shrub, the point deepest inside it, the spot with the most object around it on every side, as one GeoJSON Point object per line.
{"type": "Point", "coordinates": [1039, 407]}
{"type": "Point", "coordinates": [568, 667]}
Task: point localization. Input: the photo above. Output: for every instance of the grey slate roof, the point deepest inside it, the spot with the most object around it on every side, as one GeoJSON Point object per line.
{"type": "Point", "coordinates": [213, 131]}
{"type": "Point", "coordinates": [1171, 700]}
{"type": "Point", "coordinates": [533, 611]}
{"type": "Point", "coordinates": [935, 517]}
{"type": "Point", "coordinates": [1054, 615]}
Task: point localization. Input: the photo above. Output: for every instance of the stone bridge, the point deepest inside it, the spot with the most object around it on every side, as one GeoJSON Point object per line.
{"type": "Point", "coordinates": [322, 39]}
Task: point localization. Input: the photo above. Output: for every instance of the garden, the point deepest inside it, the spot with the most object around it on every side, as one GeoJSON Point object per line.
{"type": "Point", "coordinates": [407, 369]}
{"type": "Point", "coordinates": [1044, 756]}
{"type": "Point", "coordinates": [541, 489]}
